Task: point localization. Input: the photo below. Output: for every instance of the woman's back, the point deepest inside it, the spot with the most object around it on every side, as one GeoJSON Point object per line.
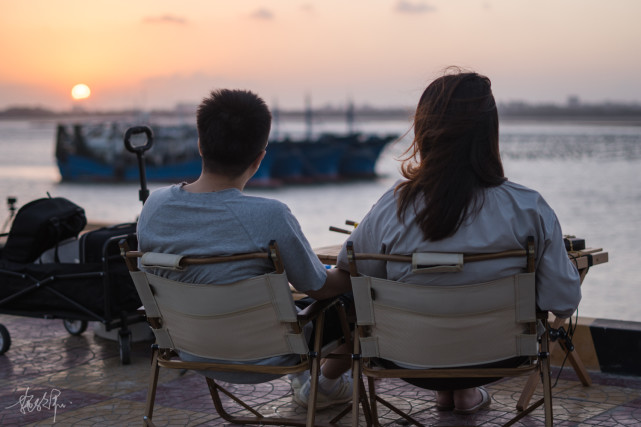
{"type": "Point", "coordinates": [510, 213]}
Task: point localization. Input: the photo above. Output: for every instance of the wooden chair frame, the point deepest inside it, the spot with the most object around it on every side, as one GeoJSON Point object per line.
{"type": "Point", "coordinates": [168, 358]}
{"type": "Point", "coordinates": [538, 366]}
{"type": "Point", "coordinates": [583, 260]}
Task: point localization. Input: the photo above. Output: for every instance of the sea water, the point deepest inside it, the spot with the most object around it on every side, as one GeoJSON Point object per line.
{"type": "Point", "coordinates": [589, 173]}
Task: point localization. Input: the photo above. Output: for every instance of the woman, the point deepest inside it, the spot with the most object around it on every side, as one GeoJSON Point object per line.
{"type": "Point", "coordinates": [455, 198]}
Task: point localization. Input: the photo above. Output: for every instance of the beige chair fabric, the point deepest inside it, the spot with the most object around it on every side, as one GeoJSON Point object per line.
{"type": "Point", "coordinates": [446, 326]}
{"type": "Point", "coordinates": [167, 261]}
{"type": "Point", "coordinates": [436, 262]}
{"type": "Point", "coordinates": [447, 331]}
{"type": "Point", "coordinates": [251, 318]}
{"type": "Point", "coordinates": [231, 323]}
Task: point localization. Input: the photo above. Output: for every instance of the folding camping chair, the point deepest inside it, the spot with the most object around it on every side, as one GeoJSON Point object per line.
{"type": "Point", "coordinates": [447, 331]}
{"type": "Point", "coordinates": [234, 323]}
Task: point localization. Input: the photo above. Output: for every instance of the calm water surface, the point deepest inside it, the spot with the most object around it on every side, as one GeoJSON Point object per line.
{"type": "Point", "coordinates": [589, 174]}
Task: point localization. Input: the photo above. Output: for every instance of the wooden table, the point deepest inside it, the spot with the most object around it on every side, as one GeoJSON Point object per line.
{"type": "Point", "coordinates": [328, 254]}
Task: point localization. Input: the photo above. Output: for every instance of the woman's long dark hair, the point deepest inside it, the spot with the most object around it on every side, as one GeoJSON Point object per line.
{"type": "Point", "coordinates": [454, 155]}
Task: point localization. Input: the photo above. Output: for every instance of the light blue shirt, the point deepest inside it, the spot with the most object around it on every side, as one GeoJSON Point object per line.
{"type": "Point", "coordinates": [510, 213]}
{"type": "Point", "coordinates": [225, 223]}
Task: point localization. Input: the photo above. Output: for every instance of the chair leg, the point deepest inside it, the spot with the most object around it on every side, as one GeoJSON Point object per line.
{"type": "Point", "coordinates": [315, 371]}
{"type": "Point", "coordinates": [367, 412]}
{"type": "Point", "coordinates": [357, 379]}
{"type": "Point", "coordinates": [575, 361]}
{"type": "Point", "coordinates": [528, 391]}
{"type": "Point", "coordinates": [394, 409]}
{"type": "Point", "coordinates": [313, 390]}
{"type": "Point", "coordinates": [372, 401]}
{"type": "Point", "coordinates": [151, 391]}
{"type": "Point", "coordinates": [573, 356]}
{"type": "Point", "coordinates": [547, 383]}
{"type": "Point", "coordinates": [578, 366]}
{"type": "Point", "coordinates": [214, 390]}
{"type": "Point", "coordinates": [544, 372]}
{"type": "Point", "coordinates": [356, 392]}
{"type": "Point", "coordinates": [360, 397]}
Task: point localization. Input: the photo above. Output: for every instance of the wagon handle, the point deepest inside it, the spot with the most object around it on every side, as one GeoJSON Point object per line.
{"type": "Point", "coordinates": [139, 150]}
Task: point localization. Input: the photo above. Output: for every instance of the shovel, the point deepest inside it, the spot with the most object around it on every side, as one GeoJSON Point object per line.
{"type": "Point", "coordinates": [139, 150]}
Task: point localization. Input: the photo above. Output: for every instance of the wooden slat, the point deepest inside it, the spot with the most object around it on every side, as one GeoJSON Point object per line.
{"type": "Point", "coordinates": [328, 255]}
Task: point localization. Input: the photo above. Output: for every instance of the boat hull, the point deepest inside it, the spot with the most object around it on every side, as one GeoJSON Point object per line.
{"type": "Point", "coordinates": [327, 158]}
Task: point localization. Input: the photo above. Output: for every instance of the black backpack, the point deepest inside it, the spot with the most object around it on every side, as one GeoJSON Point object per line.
{"type": "Point", "coordinates": [40, 225]}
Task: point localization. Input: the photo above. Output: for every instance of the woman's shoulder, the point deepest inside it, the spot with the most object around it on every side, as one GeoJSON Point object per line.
{"type": "Point", "coordinates": [511, 187]}
{"type": "Point", "coordinates": [520, 195]}
{"type": "Point", "coordinates": [387, 200]}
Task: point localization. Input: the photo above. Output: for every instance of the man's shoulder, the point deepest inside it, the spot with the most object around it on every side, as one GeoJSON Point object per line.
{"type": "Point", "coordinates": [262, 202]}
{"type": "Point", "coordinates": [162, 193]}
{"type": "Point", "coordinates": [157, 198]}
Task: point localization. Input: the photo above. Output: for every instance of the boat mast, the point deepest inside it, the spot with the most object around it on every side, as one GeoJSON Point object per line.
{"type": "Point", "coordinates": [350, 116]}
{"type": "Point", "coordinates": [308, 117]}
{"type": "Point", "coordinates": [275, 120]}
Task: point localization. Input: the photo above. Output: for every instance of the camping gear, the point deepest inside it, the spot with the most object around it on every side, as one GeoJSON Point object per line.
{"type": "Point", "coordinates": [52, 267]}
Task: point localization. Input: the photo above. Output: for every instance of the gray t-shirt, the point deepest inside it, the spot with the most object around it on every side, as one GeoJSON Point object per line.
{"type": "Point", "coordinates": [225, 223]}
{"type": "Point", "coordinates": [510, 213]}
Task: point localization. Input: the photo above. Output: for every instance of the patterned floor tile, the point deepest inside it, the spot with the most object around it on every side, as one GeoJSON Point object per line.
{"type": "Point", "coordinates": [84, 373]}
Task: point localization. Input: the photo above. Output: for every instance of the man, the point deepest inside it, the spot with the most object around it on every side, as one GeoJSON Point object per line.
{"type": "Point", "coordinates": [212, 216]}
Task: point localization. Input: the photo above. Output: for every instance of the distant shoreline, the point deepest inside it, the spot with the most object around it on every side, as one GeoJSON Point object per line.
{"type": "Point", "coordinates": [608, 114]}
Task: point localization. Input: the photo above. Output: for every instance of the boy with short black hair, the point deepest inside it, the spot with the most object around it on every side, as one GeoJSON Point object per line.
{"type": "Point", "coordinates": [212, 216]}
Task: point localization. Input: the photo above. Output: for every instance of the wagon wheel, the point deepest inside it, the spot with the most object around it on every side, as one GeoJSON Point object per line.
{"type": "Point", "coordinates": [75, 327]}
{"type": "Point", "coordinates": [124, 342]}
{"type": "Point", "coordinates": [5, 339]}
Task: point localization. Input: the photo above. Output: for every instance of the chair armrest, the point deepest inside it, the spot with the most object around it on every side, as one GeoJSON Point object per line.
{"type": "Point", "coordinates": [313, 310]}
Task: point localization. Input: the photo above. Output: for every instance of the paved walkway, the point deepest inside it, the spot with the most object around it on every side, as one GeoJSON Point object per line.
{"type": "Point", "coordinates": [49, 377]}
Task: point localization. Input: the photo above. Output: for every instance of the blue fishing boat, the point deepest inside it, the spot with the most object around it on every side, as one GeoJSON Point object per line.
{"type": "Point", "coordinates": [95, 152]}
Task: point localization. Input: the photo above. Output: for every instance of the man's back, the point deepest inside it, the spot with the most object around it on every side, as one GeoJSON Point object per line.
{"type": "Point", "coordinates": [226, 222]}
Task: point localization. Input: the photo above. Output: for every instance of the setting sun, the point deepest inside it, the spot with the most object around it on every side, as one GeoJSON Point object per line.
{"type": "Point", "coordinates": [80, 91]}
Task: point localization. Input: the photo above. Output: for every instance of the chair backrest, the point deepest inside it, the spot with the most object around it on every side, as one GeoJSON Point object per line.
{"type": "Point", "coordinates": [435, 326]}
{"type": "Point", "coordinates": [247, 320]}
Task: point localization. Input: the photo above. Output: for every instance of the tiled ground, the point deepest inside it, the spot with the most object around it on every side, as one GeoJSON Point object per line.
{"type": "Point", "coordinates": [49, 377]}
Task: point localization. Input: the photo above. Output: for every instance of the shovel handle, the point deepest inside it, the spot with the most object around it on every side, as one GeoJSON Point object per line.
{"type": "Point", "coordinates": [139, 150]}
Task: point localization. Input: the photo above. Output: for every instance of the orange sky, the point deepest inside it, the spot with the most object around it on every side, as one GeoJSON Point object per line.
{"type": "Point", "coordinates": [154, 54]}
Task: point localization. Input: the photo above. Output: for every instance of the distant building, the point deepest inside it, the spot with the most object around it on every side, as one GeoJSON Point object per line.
{"type": "Point", "coordinates": [186, 108]}
{"type": "Point", "coordinates": [573, 101]}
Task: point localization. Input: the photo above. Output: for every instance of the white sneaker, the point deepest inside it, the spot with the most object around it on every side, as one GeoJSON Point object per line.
{"type": "Point", "coordinates": [342, 393]}
{"type": "Point", "coordinates": [298, 380]}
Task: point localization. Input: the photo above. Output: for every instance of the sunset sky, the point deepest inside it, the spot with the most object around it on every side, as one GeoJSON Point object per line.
{"type": "Point", "coordinates": [154, 54]}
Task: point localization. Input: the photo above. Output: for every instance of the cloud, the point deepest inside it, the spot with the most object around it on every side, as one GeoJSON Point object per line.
{"type": "Point", "coordinates": [165, 19]}
{"type": "Point", "coordinates": [263, 13]}
{"type": "Point", "coordinates": [308, 8]}
{"type": "Point", "coordinates": [404, 6]}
